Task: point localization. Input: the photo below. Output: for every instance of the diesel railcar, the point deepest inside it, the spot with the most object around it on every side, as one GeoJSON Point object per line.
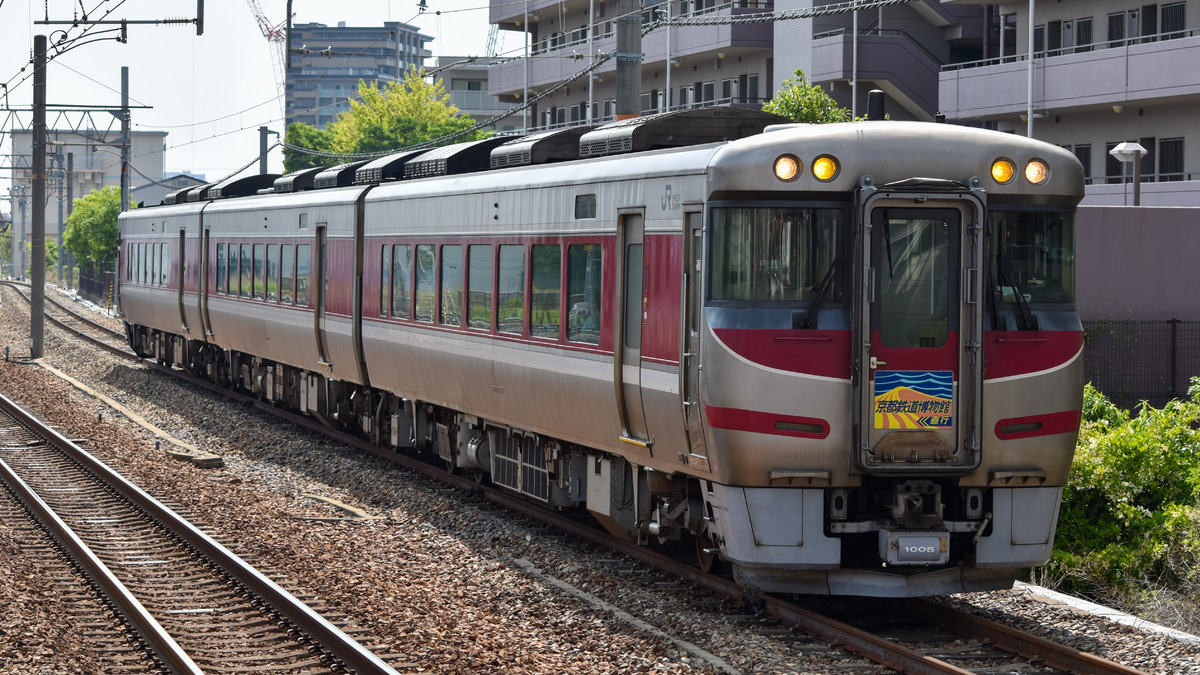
{"type": "Point", "coordinates": [842, 359]}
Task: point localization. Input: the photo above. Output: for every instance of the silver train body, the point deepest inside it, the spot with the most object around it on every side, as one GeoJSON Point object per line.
{"type": "Point", "coordinates": [843, 359]}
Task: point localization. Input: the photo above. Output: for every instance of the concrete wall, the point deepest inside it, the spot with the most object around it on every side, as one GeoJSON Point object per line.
{"type": "Point", "coordinates": [1138, 262]}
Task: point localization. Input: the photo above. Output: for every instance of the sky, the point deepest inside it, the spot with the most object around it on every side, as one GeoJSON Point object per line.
{"type": "Point", "coordinates": [212, 92]}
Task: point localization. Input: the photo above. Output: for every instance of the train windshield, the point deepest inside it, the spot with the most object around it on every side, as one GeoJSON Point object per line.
{"type": "Point", "coordinates": [775, 254]}
{"type": "Point", "coordinates": [1032, 256]}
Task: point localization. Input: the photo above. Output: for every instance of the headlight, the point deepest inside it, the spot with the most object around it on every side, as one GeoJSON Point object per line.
{"type": "Point", "coordinates": [825, 168]}
{"type": "Point", "coordinates": [1037, 172]}
{"type": "Point", "coordinates": [1003, 170]}
{"type": "Point", "coordinates": [787, 168]}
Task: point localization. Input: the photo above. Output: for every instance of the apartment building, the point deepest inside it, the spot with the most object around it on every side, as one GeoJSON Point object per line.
{"type": "Point", "coordinates": [325, 76]}
{"type": "Point", "coordinates": [465, 78]}
{"type": "Point", "coordinates": [728, 64]}
{"type": "Point", "coordinates": [1104, 72]}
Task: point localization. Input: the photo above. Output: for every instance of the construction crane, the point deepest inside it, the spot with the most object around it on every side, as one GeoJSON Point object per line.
{"type": "Point", "coordinates": [276, 35]}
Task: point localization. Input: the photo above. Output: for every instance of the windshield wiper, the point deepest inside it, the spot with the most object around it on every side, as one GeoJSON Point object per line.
{"type": "Point", "coordinates": [826, 284]}
{"type": "Point", "coordinates": [1025, 318]}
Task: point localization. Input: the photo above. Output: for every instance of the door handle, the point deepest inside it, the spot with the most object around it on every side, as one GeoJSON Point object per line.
{"type": "Point", "coordinates": [875, 363]}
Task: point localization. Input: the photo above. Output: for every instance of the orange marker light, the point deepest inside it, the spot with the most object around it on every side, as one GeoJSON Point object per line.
{"type": "Point", "coordinates": [825, 168]}
{"type": "Point", "coordinates": [1003, 170]}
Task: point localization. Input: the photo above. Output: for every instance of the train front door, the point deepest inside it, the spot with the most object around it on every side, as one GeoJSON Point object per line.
{"type": "Point", "coordinates": [628, 327]}
{"type": "Point", "coordinates": [919, 335]}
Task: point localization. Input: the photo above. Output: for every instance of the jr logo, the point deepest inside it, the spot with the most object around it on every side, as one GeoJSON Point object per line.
{"type": "Point", "coordinates": [670, 202]}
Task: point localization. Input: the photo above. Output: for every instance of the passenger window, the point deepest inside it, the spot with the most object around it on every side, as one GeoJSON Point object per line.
{"type": "Point", "coordinates": [137, 263]}
{"type": "Point", "coordinates": [259, 277]}
{"type": "Point", "coordinates": [287, 277]}
{"type": "Point", "coordinates": [303, 265]}
{"type": "Point", "coordinates": [452, 283]}
{"type": "Point", "coordinates": [510, 314]}
{"type": "Point", "coordinates": [272, 272]}
{"type": "Point", "coordinates": [401, 273]}
{"type": "Point", "coordinates": [164, 267]}
{"type": "Point", "coordinates": [385, 284]}
{"type": "Point", "coordinates": [479, 288]}
{"type": "Point", "coordinates": [247, 276]}
{"type": "Point", "coordinates": [221, 268]}
{"type": "Point", "coordinates": [426, 272]}
{"type": "Point", "coordinates": [154, 264]}
{"type": "Point", "coordinates": [233, 269]}
{"type": "Point", "coordinates": [584, 278]}
{"type": "Point", "coordinates": [545, 300]}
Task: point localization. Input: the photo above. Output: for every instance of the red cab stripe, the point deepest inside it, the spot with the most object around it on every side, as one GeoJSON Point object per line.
{"type": "Point", "coordinates": [758, 422]}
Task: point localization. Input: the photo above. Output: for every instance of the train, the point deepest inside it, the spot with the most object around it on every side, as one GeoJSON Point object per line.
{"type": "Point", "coordinates": [838, 359]}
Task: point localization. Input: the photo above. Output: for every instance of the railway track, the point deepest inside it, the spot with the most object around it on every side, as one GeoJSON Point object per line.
{"type": "Point", "coordinates": [78, 324]}
{"type": "Point", "coordinates": [943, 641]}
{"type": "Point", "coordinates": [193, 605]}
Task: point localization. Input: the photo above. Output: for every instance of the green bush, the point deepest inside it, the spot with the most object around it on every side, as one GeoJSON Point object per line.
{"type": "Point", "coordinates": [1129, 511]}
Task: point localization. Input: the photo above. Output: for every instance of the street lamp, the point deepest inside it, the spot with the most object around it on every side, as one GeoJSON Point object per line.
{"type": "Point", "coordinates": [1132, 152]}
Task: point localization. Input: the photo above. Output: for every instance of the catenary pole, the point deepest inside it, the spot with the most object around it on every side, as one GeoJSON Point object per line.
{"type": "Point", "coordinates": [37, 295]}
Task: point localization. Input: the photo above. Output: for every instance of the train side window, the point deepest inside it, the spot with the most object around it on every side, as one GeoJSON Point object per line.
{"type": "Point", "coordinates": [154, 258]}
{"type": "Point", "coordinates": [450, 313]}
{"type": "Point", "coordinates": [584, 276]}
{"type": "Point", "coordinates": [303, 265]}
{"type": "Point", "coordinates": [510, 314]}
{"type": "Point", "coordinates": [136, 262]}
{"type": "Point", "coordinates": [401, 274]}
{"type": "Point", "coordinates": [545, 300]}
{"type": "Point", "coordinates": [221, 269]}
{"type": "Point", "coordinates": [287, 277]}
{"type": "Point", "coordinates": [426, 272]}
{"type": "Point", "coordinates": [385, 284]}
{"type": "Point", "coordinates": [272, 272]}
{"type": "Point", "coordinates": [246, 279]}
{"type": "Point", "coordinates": [479, 287]}
{"type": "Point", "coordinates": [258, 279]}
{"type": "Point", "coordinates": [164, 267]}
{"type": "Point", "coordinates": [232, 261]}
{"type": "Point", "coordinates": [585, 206]}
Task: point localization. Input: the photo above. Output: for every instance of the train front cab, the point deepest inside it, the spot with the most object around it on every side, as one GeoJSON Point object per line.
{"type": "Point", "coordinates": [894, 403]}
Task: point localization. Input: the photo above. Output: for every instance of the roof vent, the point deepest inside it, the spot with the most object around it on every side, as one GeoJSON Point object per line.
{"type": "Point", "coordinates": [453, 159]}
{"type": "Point", "coordinates": [337, 176]}
{"type": "Point", "coordinates": [675, 129]}
{"type": "Point", "coordinates": [240, 187]}
{"type": "Point", "coordinates": [299, 180]}
{"type": "Point", "coordinates": [386, 168]}
{"type": "Point", "coordinates": [556, 145]}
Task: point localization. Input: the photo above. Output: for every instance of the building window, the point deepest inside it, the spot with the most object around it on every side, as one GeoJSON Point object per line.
{"type": "Point", "coordinates": [1084, 154]}
{"type": "Point", "coordinates": [1083, 35]}
{"type": "Point", "coordinates": [1039, 39]}
{"type": "Point", "coordinates": [1114, 169]}
{"type": "Point", "coordinates": [1170, 159]}
{"type": "Point", "coordinates": [1116, 29]}
{"type": "Point", "coordinates": [1174, 20]}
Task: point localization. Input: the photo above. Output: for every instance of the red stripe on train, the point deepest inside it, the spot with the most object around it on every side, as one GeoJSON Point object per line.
{"type": "Point", "coordinates": [1048, 424]}
{"type": "Point", "coordinates": [735, 419]}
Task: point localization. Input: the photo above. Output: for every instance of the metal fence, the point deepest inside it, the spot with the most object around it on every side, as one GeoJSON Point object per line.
{"type": "Point", "coordinates": [96, 285]}
{"type": "Point", "coordinates": [1138, 360]}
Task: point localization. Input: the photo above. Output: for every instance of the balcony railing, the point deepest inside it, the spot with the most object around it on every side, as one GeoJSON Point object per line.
{"type": "Point", "coordinates": [1076, 49]}
{"type": "Point", "coordinates": [866, 32]}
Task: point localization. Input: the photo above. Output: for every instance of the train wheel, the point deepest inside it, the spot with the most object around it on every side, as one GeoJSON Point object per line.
{"type": "Point", "coordinates": [707, 559]}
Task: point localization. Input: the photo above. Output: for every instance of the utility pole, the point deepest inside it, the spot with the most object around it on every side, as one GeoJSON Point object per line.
{"type": "Point", "coordinates": [124, 138]}
{"type": "Point", "coordinates": [70, 207]}
{"type": "Point", "coordinates": [37, 282]}
{"type": "Point", "coordinates": [629, 58]}
{"type": "Point", "coordinates": [263, 132]}
{"type": "Point", "coordinates": [58, 159]}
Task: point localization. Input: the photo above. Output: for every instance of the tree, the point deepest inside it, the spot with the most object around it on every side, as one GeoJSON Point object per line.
{"type": "Point", "coordinates": [801, 102]}
{"type": "Point", "coordinates": [91, 234]}
{"type": "Point", "coordinates": [51, 257]}
{"type": "Point", "coordinates": [399, 115]}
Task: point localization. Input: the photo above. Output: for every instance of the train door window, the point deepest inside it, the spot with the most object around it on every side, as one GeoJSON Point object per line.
{"type": "Point", "coordinates": [287, 276]}
{"type": "Point", "coordinates": [426, 273]}
{"type": "Point", "coordinates": [1083, 34]}
{"type": "Point", "coordinates": [303, 269]}
{"type": "Point", "coordinates": [246, 277]}
{"type": "Point", "coordinates": [257, 273]}
{"type": "Point", "coordinates": [479, 287]}
{"type": "Point", "coordinates": [584, 277]}
{"type": "Point", "coordinates": [401, 275]}
{"type": "Point", "coordinates": [164, 265]}
{"type": "Point", "coordinates": [510, 299]}
{"type": "Point", "coordinates": [385, 283]}
{"type": "Point", "coordinates": [272, 273]}
{"type": "Point", "coordinates": [545, 300]}
{"type": "Point", "coordinates": [450, 312]}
